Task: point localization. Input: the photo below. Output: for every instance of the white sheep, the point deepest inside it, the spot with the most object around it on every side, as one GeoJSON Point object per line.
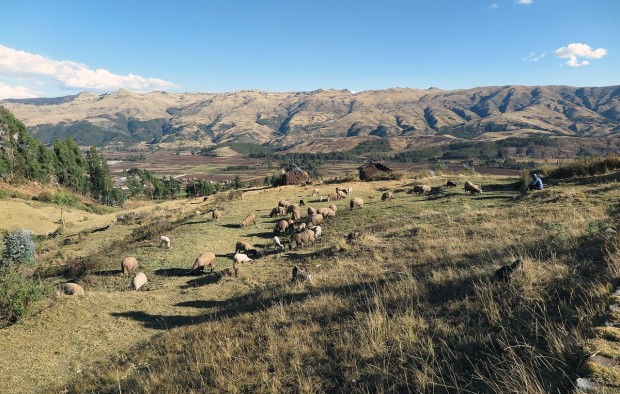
{"type": "Point", "coordinates": [276, 244]}
{"type": "Point", "coordinates": [139, 281]}
{"type": "Point", "coordinates": [317, 231]}
{"type": "Point", "coordinates": [242, 258]}
{"type": "Point", "coordinates": [164, 241]}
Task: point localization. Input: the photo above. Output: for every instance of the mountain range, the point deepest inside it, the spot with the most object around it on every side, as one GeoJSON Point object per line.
{"type": "Point", "coordinates": [322, 120]}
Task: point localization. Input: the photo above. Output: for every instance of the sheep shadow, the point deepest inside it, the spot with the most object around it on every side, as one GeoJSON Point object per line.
{"type": "Point", "coordinates": [231, 225]}
{"type": "Point", "coordinates": [175, 272]}
{"type": "Point", "coordinates": [207, 279]}
{"type": "Point", "coordinates": [107, 272]}
{"type": "Point", "coordinates": [195, 222]}
{"type": "Point", "coordinates": [262, 235]}
{"type": "Point", "coordinates": [201, 304]}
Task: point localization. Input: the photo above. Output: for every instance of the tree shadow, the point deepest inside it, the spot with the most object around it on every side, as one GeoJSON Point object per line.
{"type": "Point", "coordinates": [172, 272]}
{"type": "Point", "coordinates": [207, 279]}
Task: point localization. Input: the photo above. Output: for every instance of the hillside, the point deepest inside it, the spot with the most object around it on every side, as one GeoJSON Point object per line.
{"type": "Point", "coordinates": [408, 305]}
{"type": "Point", "coordinates": [327, 118]}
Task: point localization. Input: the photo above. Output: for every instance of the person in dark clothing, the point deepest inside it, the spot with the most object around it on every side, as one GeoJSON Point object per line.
{"type": "Point", "coordinates": [536, 184]}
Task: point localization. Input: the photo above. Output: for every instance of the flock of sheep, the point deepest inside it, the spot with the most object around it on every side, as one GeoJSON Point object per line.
{"type": "Point", "coordinates": [300, 232]}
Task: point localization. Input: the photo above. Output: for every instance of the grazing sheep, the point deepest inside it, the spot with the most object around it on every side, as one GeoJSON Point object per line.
{"type": "Point", "coordinates": [507, 272]}
{"type": "Point", "coordinates": [202, 261]}
{"type": "Point", "coordinates": [333, 207]}
{"type": "Point", "coordinates": [299, 239]}
{"type": "Point", "coordinates": [242, 258]}
{"type": "Point", "coordinates": [301, 227]}
{"type": "Point", "coordinates": [299, 275]}
{"type": "Point", "coordinates": [342, 194]}
{"type": "Point", "coordinates": [302, 203]}
{"type": "Point", "coordinates": [216, 215]}
{"type": "Point", "coordinates": [283, 203]}
{"type": "Point", "coordinates": [139, 281]}
{"type": "Point", "coordinates": [356, 202]}
{"type": "Point", "coordinates": [311, 211]}
{"type": "Point", "coordinates": [296, 215]}
{"type": "Point", "coordinates": [129, 265]}
{"type": "Point", "coordinates": [245, 247]}
{"type": "Point", "coordinates": [421, 189]}
{"type": "Point", "coordinates": [251, 218]}
{"type": "Point", "coordinates": [333, 196]}
{"type": "Point", "coordinates": [281, 227]}
{"type": "Point", "coordinates": [450, 184]}
{"type": "Point", "coordinates": [349, 190]}
{"type": "Point", "coordinates": [327, 213]}
{"type": "Point", "coordinates": [471, 188]}
{"type": "Point", "coordinates": [72, 289]}
{"type": "Point", "coordinates": [387, 196]}
{"type": "Point", "coordinates": [274, 212]}
{"type": "Point", "coordinates": [292, 208]}
{"type": "Point", "coordinates": [277, 245]}
{"type": "Point", "coordinates": [164, 241]}
{"type": "Point", "coordinates": [316, 192]}
{"type": "Point", "coordinates": [317, 231]}
{"type": "Point", "coordinates": [235, 195]}
{"type": "Point", "coordinates": [315, 220]}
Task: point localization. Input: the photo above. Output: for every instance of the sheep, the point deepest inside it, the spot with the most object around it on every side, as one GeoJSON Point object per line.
{"type": "Point", "coordinates": [245, 247]}
{"type": "Point", "coordinates": [164, 241]}
{"type": "Point", "coordinates": [242, 258]}
{"type": "Point", "coordinates": [202, 261]}
{"type": "Point", "coordinates": [327, 213]}
{"type": "Point", "coordinates": [450, 184]}
{"type": "Point", "coordinates": [277, 245]}
{"type": "Point", "coordinates": [139, 281]}
{"type": "Point", "coordinates": [333, 207]}
{"type": "Point", "coordinates": [317, 231]}
{"type": "Point", "coordinates": [302, 203]}
{"type": "Point", "coordinates": [421, 189]}
{"type": "Point", "coordinates": [315, 220]}
{"type": "Point", "coordinates": [342, 194]}
{"type": "Point", "coordinates": [301, 227]}
{"type": "Point", "coordinates": [72, 289]}
{"type": "Point", "coordinates": [311, 211]}
{"type": "Point", "coordinates": [507, 272]}
{"type": "Point", "coordinates": [356, 202]}
{"type": "Point", "coordinates": [251, 218]}
{"type": "Point", "coordinates": [274, 212]}
{"type": "Point", "coordinates": [280, 227]}
{"type": "Point", "coordinates": [296, 215]}
{"type": "Point", "coordinates": [128, 265]}
{"type": "Point", "coordinates": [299, 239]}
{"type": "Point", "coordinates": [387, 196]}
{"type": "Point", "coordinates": [349, 190]}
{"type": "Point", "coordinates": [471, 188]}
{"type": "Point", "coordinates": [216, 215]}
{"type": "Point", "coordinates": [299, 275]}
{"type": "Point", "coordinates": [283, 203]}
{"type": "Point", "coordinates": [316, 192]}
{"type": "Point", "coordinates": [291, 208]}
{"type": "Point", "coordinates": [333, 196]}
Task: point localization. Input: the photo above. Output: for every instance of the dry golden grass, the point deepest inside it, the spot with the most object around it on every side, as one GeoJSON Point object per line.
{"type": "Point", "coordinates": [408, 306]}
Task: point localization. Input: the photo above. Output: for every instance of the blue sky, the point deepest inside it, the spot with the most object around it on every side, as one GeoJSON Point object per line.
{"type": "Point", "coordinates": [55, 48]}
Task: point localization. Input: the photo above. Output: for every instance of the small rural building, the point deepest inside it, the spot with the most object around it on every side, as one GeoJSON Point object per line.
{"type": "Point", "coordinates": [293, 176]}
{"type": "Point", "coordinates": [373, 170]}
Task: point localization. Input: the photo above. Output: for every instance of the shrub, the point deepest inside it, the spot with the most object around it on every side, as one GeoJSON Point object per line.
{"type": "Point", "coordinates": [586, 166]}
{"type": "Point", "coordinates": [152, 229]}
{"type": "Point", "coordinates": [18, 248]}
{"type": "Point", "coordinates": [16, 294]}
{"type": "Point", "coordinates": [45, 197]}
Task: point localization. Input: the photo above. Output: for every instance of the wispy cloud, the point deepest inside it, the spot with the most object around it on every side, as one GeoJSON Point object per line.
{"type": "Point", "coordinates": [533, 57]}
{"type": "Point", "coordinates": [524, 2]}
{"type": "Point", "coordinates": [574, 51]}
{"type": "Point", "coordinates": [7, 91]}
{"type": "Point", "coordinates": [493, 6]}
{"type": "Point", "coordinates": [71, 75]}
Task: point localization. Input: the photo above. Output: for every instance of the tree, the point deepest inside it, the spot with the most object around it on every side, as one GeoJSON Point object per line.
{"type": "Point", "coordinates": [237, 184]}
{"type": "Point", "coordinates": [18, 248]}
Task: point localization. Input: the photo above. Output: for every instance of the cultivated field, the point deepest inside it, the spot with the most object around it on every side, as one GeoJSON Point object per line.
{"type": "Point", "coordinates": [409, 305]}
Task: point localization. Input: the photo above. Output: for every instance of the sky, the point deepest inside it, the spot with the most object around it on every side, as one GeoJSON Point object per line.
{"type": "Point", "coordinates": [61, 47]}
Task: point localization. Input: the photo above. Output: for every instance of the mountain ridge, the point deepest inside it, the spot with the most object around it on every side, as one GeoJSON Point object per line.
{"type": "Point", "coordinates": [283, 120]}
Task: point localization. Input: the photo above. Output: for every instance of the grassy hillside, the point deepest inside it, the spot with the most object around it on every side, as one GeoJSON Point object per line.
{"type": "Point", "coordinates": [409, 305]}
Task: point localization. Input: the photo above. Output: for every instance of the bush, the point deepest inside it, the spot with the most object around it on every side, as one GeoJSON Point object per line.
{"type": "Point", "coordinates": [586, 166]}
{"type": "Point", "coordinates": [18, 248]}
{"type": "Point", "coordinates": [45, 197]}
{"type": "Point", "coordinates": [16, 294]}
{"type": "Point", "coordinates": [152, 229]}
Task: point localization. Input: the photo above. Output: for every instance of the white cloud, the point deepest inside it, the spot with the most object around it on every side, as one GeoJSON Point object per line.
{"type": "Point", "coordinates": [574, 51]}
{"type": "Point", "coordinates": [533, 57]}
{"type": "Point", "coordinates": [73, 75]}
{"type": "Point", "coordinates": [493, 6]}
{"type": "Point", "coordinates": [7, 91]}
{"type": "Point", "coordinates": [524, 2]}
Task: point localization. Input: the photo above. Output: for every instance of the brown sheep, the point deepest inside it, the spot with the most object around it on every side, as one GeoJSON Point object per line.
{"type": "Point", "coordinates": [283, 203]}
{"type": "Point", "coordinates": [342, 194]}
{"type": "Point", "coordinates": [333, 207]}
{"type": "Point", "coordinates": [292, 208]}
{"type": "Point", "coordinates": [244, 247]}
{"type": "Point", "coordinates": [315, 220]}
{"type": "Point", "coordinates": [329, 214]}
{"type": "Point", "coordinates": [299, 239]}
{"type": "Point", "coordinates": [274, 212]}
{"type": "Point", "coordinates": [333, 196]}
{"type": "Point", "coordinates": [296, 215]}
{"type": "Point", "coordinates": [316, 192]}
{"type": "Point", "coordinates": [356, 203]}
{"type": "Point", "coordinates": [139, 281]}
{"type": "Point", "coordinates": [421, 189]}
{"type": "Point", "coordinates": [251, 218]}
{"type": "Point", "coordinates": [216, 215]}
{"type": "Point", "coordinates": [300, 275]}
{"type": "Point", "coordinates": [129, 265]}
{"type": "Point", "coordinates": [311, 211]}
{"type": "Point", "coordinates": [387, 196]}
{"type": "Point", "coordinates": [205, 259]}
{"type": "Point", "coordinates": [471, 188]}
{"type": "Point", "coordinates": [507, 272]}
{"type": "Point", "coordinates": [281, 227]}
{"type": "Point", "coordinates": [72, 289]}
